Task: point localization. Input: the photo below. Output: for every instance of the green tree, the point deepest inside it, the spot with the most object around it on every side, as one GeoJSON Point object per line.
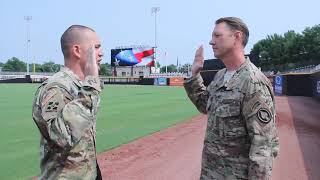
{"type": "Point", "coordinates": [170, 68]}
{"type": "Point", "coordinates": [311, 42]}
{"type": "Point", "coordinates": [293, 47]}
{"type": "Point", "coordinates": [105, 70]}
{"type": "Point", "coordinates": [290, 50]}
{"type": "Point", "coordinates": [50, 67]}
{"type": "Point", "coordinates": [38, 67]}
{"type": "Point", "coordinates": [15, 65]}
{"type": "Point", "coordinates": [185, 68]}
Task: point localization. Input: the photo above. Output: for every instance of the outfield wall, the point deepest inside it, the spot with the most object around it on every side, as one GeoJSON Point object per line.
{"type": "Point", "coordinates": [293, 85]}
{"type": "Point", "coordinates": [207, 76]}
{"type": "Point", "coordinates": [315, 77]}
{"type": "Point", "coordinates": [23, 79]}
{"type": "Point", "coordinates": [284, 84]}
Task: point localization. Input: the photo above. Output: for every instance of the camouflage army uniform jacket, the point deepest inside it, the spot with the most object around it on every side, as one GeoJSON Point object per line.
{"type": "Point", "coordinates": [241, 140]}
{"type": "Point", "coordinates": [65, 110]}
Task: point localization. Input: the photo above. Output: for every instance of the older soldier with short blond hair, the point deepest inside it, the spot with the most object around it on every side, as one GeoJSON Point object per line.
{"type": "Point", "coordinates": [65, 109]}
{"type": "Point", "coordinates": [241, 140]}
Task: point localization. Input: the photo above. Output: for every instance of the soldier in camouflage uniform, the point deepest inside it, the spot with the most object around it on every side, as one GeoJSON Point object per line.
{"type": "Point", "coordinates": [241, 140]}
{"type": "Point", "coordinates": [65, 110]}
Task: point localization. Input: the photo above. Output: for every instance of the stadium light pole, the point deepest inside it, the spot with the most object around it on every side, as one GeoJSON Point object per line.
{"type": "Point", "coordinates": [28, 20]}
{"type": "Point", "coordinates": [155, 10]}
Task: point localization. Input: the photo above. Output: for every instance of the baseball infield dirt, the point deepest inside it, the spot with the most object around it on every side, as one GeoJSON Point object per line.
{"type": "Point", "coordinates": [175, 153]}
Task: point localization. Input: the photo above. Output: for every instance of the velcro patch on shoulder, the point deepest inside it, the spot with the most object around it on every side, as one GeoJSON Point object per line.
{"type": "Point", "coordinates": [48, 96]}
{"type": "Point", "coordinates": [52, 103]}
{"type": "Point", "coordinates": [52, 106]}
{"type": "Point", "coordinates": [264, 115]}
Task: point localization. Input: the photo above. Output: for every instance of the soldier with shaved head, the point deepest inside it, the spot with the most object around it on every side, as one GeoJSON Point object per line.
{"type": "Point", "coordinates": [65, 109]}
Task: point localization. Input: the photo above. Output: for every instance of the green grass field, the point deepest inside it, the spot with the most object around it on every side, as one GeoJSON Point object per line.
{"type": "Point", "coordinates": [126, 113]}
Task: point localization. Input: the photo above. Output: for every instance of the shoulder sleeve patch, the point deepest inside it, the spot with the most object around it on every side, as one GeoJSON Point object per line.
{"type": "Point", "coordinates": [52, 103]}
{"type": "Point", "coordinates": [48, 95]}
{"type": "Point", "coordinates": [264, 115]}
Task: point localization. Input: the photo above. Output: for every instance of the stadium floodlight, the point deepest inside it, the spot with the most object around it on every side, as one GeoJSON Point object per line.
{"type": "Point", "coordinates": [155, 10]}
{"type": "Point", "coordinates": [28, 19]}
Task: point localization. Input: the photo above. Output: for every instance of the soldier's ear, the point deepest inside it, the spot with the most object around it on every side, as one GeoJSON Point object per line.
{"type": "Point", "coordinates": [238, 36]}
{"type": "Point", "coordinates": [76, 51]}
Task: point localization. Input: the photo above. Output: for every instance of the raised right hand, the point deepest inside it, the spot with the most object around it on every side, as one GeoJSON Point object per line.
{"type": "Point", "coordinates": [91, 68]}
{"type": "Point", "coordinates": [198, 62]}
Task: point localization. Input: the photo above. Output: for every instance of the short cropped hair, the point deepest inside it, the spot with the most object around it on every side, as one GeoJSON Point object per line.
{"type": "Point", "coordinates": [236, 24]}
{"type": "Point", "coordinates": [74, 34]}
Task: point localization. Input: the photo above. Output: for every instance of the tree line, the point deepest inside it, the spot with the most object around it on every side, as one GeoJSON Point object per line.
{"type": "Point", "coordinates": [16, 65]}
{"type": "Point", "coordinates": [288, 51]}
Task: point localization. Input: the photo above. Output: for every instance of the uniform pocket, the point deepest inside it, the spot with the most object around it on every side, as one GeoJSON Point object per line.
{"type": "Point", "coordinates": [228, 108]}
{"type": "Point", "coordinates": [229, 116]}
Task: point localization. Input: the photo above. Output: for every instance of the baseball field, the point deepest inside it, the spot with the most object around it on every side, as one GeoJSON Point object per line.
{"type": "Point", "coordinates": [149, 132]}
{"type": "Point", "coordinates": [126, 113]}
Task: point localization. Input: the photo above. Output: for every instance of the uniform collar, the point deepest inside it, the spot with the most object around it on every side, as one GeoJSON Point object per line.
{"type": "Point", "coordinates": [235, 78]}
{"type": "Point", "coordinates": [72, 75]}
